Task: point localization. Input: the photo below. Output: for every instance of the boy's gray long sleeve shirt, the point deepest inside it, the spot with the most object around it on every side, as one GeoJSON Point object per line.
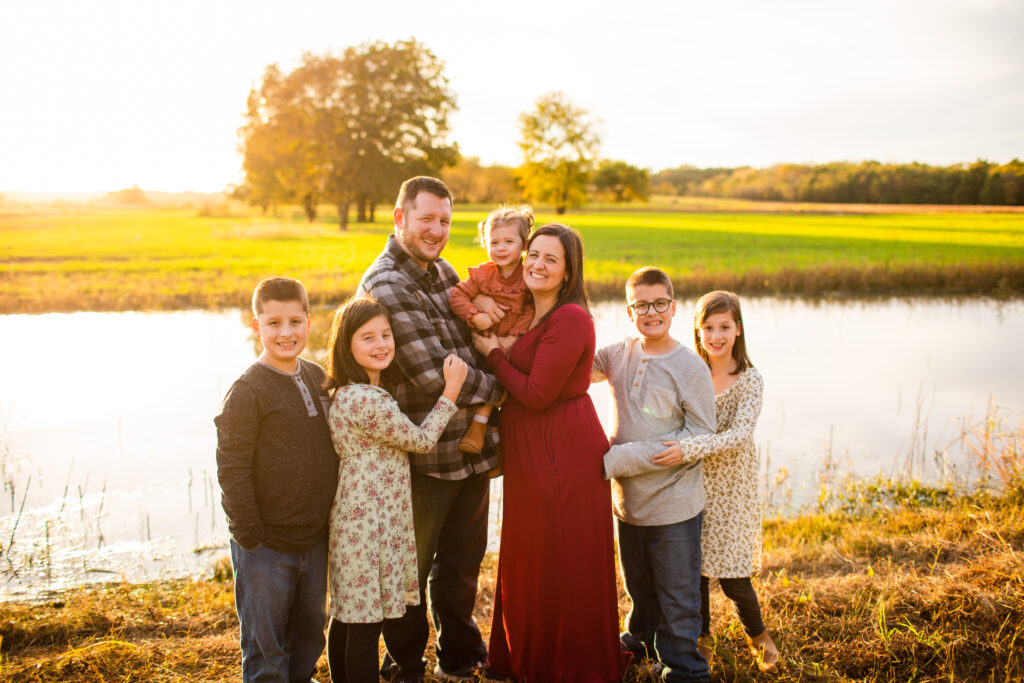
{"type": "Point", "coordinates": [655, 398]}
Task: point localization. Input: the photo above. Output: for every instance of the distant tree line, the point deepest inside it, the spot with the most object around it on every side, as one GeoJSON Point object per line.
{"type": "Point", "coordinates": [346, 129]}
{"type": "Point", "coordinates": [868, 182]}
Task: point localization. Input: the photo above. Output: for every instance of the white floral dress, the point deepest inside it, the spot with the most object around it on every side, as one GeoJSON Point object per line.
{"type": "Point", "coordinates": [372, 561]}
{"type": "Point", "coordinates": [731, 533]}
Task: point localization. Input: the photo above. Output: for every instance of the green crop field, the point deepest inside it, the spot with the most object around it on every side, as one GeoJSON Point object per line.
{"type": "Point", "coordinates": [83, 259]}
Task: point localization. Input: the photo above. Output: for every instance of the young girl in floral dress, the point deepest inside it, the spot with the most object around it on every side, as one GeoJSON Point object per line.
{"type": "Point", "coordinates": [731, 534]}
{"type": "Point", "coordinates": [372, 560]}
{"type": "Point", "coordinates": [503, 234]}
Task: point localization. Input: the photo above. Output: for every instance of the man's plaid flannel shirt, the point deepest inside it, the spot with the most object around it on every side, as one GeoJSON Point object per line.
{"type": "Point", "coordinates": [425, 331]}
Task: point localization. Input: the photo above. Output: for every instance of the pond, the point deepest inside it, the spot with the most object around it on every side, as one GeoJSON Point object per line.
{"type": "Point", "coordinates": [107, 439]}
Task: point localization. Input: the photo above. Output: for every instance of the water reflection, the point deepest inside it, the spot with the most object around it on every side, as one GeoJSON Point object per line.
{"type": "Point", "coordinates": [107, 455]}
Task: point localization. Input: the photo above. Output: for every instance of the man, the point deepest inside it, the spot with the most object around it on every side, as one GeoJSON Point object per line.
{"type": "Point", "coordinates": [449, 488]}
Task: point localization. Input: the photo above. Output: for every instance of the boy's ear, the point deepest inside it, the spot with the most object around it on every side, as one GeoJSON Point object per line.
{"type": "Point", "coordinates": [256, 325]}
{"type": "Point", "coordinates": [629, 312]}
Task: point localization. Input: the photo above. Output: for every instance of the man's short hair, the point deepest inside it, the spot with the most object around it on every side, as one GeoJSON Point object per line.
{"type": "Point", "coordinates": [649, 275]}
{"type": "Point", "coordinates": [422, 183]}
{"type": "Point", "coordinates": [279, 289]}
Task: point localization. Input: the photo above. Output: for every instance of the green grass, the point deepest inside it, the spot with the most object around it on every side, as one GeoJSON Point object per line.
{"type": "Point", "coordinates": [164, 259]}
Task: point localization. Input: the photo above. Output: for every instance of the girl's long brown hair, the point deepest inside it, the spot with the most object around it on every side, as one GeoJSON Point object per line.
{"type": "Point", "coordinates": [342, 367]}
{"type": "Point", "coordinates": [720, 301]}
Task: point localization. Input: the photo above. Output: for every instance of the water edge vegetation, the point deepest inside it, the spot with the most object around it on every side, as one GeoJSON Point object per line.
{"type": "Point", "coordinates": [163, 259]}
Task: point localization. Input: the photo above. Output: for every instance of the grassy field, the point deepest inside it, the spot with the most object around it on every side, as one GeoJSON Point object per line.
{"type": "Point", "coordinates": [930, 589]}
{"type": "Point", "coordinates": [83, 259]}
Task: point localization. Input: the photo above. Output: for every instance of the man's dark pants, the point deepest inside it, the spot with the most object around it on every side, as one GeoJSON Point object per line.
{"type": "Point", "coordinates": [451, 537]}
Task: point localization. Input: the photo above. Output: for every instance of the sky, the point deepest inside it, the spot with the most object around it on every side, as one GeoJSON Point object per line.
{"type": "Point", "coordinates": [105, 94]}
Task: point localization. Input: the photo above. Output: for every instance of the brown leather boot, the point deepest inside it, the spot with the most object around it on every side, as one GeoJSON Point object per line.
{"type": "Point", "coordinates": [765, 654]}
{"type": "Point", "coordinates": [473, 440]}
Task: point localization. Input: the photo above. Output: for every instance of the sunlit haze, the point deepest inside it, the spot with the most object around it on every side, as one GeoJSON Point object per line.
{"type": "Point", "coordinates": [102, 95]}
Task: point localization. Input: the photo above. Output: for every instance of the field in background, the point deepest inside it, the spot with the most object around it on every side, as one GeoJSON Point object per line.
{"type": "Point", "coordinates": [92, 259]}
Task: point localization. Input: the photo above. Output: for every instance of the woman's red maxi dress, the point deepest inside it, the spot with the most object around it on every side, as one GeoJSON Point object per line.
{"type": "Point", "coordinates": [555, 606]}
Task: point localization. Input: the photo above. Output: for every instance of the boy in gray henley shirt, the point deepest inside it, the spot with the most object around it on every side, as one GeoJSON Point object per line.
{"type": "Point", "coordinates": [662, 392]}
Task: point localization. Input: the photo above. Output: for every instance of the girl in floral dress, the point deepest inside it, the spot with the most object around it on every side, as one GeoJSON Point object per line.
{"type": "Point", "coordinates": [372, 561]}
{"type": "Point", "coordinates": [731, 533]}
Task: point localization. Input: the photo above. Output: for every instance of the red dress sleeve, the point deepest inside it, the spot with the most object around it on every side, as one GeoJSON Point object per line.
{"type": "Point", "coordinates": [558, 353]}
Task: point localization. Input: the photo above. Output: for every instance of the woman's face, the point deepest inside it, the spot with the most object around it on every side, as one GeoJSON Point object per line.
{"type": "Point", "coordinates": [544, 267]}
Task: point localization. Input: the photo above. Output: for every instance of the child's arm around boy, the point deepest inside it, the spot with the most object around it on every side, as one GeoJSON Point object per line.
{"type": "Point", "coordinates": [694, 399]}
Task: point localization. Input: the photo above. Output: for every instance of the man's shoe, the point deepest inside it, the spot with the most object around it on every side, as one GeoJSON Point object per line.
{"type": "Point", "coordinates": [470, 671]}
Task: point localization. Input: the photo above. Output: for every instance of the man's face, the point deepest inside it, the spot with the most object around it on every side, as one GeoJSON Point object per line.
{"type": "Point", "coordinates": [422, 230]}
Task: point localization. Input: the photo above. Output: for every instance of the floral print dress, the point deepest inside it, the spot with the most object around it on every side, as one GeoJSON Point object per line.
{"type": "Point", "coordinates": [731, 533]}
{"type": "Point", "coordinates": [372, 561]}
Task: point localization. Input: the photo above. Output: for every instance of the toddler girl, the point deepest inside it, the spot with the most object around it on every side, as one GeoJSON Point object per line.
{"type": "Point", "coordinates": [503, 234]}
{"type": "Point", "coordinates": [372, 561]}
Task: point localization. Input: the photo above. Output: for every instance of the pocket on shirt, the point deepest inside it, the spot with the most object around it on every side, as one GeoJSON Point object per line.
{"type": "Point", "coordinates": [661, 403]}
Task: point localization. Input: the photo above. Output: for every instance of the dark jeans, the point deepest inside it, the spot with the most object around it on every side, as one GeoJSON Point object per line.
{"type": "Point", "coordinates": [281, 600]}
{"type": "Point", "coordinates": [741, 592]}
{"type": "Point", "coordinates": [352, 652]}
{"type": "Point", "coordinates": [661, 570]}
{"type": "Point", "coordinates": [451, 537]}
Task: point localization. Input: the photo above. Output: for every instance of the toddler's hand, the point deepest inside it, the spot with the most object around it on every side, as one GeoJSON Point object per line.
{"type": "Point", "coordinates": [490, 307]}
{"type": "Point", "coordinates": [481, 322]}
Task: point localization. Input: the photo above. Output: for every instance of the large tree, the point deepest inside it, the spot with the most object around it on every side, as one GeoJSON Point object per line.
{"type": "Point", "coordinates": [620, 182]}
{"type": "Point", "coordinates": [559, 147]}
{"type": "Point", "coordinates": [346, 129]}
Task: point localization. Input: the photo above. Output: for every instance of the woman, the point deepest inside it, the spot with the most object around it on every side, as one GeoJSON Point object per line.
{"type": "Point", "coordinates": [555, 606]}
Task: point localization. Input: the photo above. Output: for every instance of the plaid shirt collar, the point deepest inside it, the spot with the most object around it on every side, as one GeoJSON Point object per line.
{"type": "Point", "coordinates": [424, 277]}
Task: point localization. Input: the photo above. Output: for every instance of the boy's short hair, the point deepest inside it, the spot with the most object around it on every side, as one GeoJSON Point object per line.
{"type": "Point", "coordinates": [279, 289]}
{"type": "Point", "coordinates": [422, 183]}
{"type": "Point", "coordinates": [649, 275]}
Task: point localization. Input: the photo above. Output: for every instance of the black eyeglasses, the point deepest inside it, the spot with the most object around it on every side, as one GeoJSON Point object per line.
{"type": "Point", "coordinates": [642, 307]}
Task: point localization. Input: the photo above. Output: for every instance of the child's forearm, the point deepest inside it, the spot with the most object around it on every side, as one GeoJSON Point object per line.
{"type": "Point", "coordinates": [635, 457]}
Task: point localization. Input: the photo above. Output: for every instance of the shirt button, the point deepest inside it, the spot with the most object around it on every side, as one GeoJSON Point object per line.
{"type": "Point", "coordinates": [636, 384]}
{"type": "Point", "coordinates": [640, 372]}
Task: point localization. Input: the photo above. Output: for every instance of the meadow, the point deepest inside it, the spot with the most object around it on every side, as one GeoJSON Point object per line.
{"type": "Point", "coordinates": [157, 259]}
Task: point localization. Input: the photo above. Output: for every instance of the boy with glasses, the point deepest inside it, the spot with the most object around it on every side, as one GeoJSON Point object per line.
{"type": "Point", "coordinates": [661, 393]}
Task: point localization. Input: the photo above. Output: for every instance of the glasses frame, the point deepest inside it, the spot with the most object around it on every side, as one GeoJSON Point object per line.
{"type": "Point", "coordinates": [646, 306]}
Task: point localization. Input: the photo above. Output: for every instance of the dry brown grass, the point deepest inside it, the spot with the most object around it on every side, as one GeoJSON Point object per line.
{"type": "Point", "coordinates": [921, 593]}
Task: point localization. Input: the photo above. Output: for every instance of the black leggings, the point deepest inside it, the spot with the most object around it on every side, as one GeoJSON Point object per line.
{"type": "Point", "coordinates": [741, 592]}
{"type": "Point", "coordinates": [352, 652]}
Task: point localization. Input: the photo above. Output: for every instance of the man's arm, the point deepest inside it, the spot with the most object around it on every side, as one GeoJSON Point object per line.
{"type": "Point", "coordinates": [237, 431]}
{"type": "Point", "coordinates": [420, 351]}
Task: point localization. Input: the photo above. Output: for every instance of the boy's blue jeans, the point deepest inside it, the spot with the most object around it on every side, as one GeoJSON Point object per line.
{"type": "Point", "coordinates": [661, 570]}
{"type": "Point", "coordinates": [281, 603]}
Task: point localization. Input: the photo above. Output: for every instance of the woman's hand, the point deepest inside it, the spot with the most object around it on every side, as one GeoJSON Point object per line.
{"type": "Point", "coordinates": [673, 455]}
{"type": "Point", "coordinates": [485, 344]}
{"type": "Point", "coordinates": [454, 370]}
